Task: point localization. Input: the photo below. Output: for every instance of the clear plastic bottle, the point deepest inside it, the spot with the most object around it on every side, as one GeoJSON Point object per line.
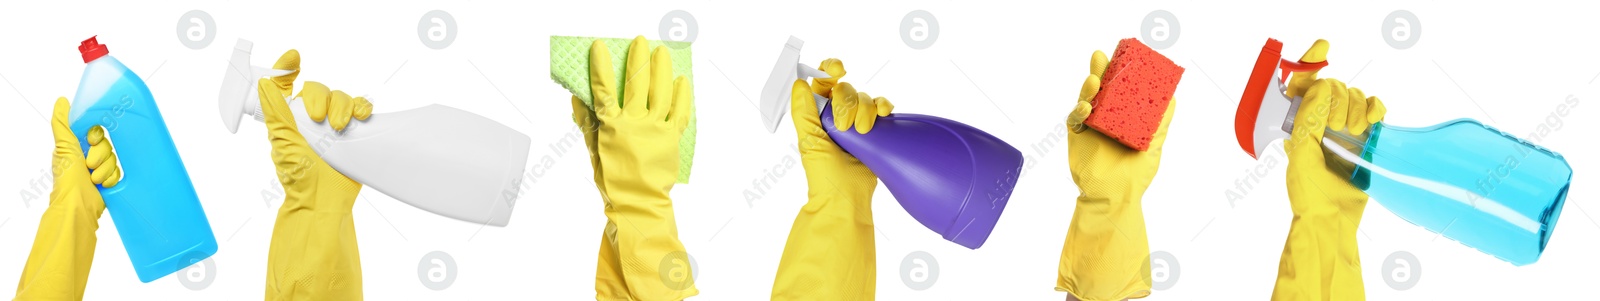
{"type": "Point", "coordinates": [1467, 181]}
{"type": "Point", "coordinates": [1462, 179]}
{"type": "Point", "coordinates": [154, 207]}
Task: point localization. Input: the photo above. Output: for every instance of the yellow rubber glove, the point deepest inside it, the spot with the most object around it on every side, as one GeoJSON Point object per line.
{"type": "Point", "coordinates": [313, 255]}
{"type": "Point", "coordinates": [830, 254]}
{"type": "Point", "coordinates": [1320, 260]}
{"type": "Point", "coordinates": [63, 249]}
{"type": "Point", "coordinates": [635, 147]}
{"type": "Point", "coordinates": [609, 283]}
{"type": "Point", "coordinates": [1107, 253]}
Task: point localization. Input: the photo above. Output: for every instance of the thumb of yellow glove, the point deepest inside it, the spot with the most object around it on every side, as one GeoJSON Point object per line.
{"type": "Point", "coordinates": [835, 70]}
{"type": "Point", "coordinates": [73, 181]}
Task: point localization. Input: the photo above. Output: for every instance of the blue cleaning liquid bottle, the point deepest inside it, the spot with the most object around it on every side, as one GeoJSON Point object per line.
{"type": "Point", "coordinates": [1467, 181]}
{"type": "Point", "coordinates": [154, 207]}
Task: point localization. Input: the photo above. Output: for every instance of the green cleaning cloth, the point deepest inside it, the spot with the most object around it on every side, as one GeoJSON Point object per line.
{"type": "Point", "coordinates": [569, 66]}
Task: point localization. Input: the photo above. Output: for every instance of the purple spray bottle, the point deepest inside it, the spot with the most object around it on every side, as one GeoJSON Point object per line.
{"type": "Point", "coordinates": [951, 177]}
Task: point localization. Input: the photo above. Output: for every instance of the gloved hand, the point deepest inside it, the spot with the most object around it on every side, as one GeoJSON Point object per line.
{"type": "Point", "coordinates": [1320, 260]}
{"type": "Point", "coordinates": [609, 283]}
{"type": "Point", "coordinates": [830, 254]}
{"type": "Point", "coordinates": [635, 148]}
{"type": "Point", "coordinates": [1107, 253]}
{"type": "Point", "coordinates": [313, 253]}
{"type": "Point", "coordinates": [63, 249]}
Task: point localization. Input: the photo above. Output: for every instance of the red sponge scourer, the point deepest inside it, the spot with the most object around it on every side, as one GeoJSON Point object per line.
{"type": "Point", "coordinates": [1134, 94]}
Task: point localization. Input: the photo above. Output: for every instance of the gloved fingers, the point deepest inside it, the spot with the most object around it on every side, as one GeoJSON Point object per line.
{"type": "Point", "coordinates": [102, 159]}
{"type": "Point", "coordinates": [866, 112]}
{"type": "Point", "coordinates": [602, 80]}
{"type": "Point", "coordinates": [338, 110]}
{"type": "Point", "coordinates": [682, 104]}
{"type": "Point", "coordinates": [97, 135]}
{"type": "Point", "coordinates": [1375, 110]}
{"type": "Point", "coordinates": [1300, 81]}
{"type": "Point", "coordinates": [1080, 112]}
{"type": "Point", "coordinates": [581, 115]}
{"type": "Point", "coordinates": [1078, 115]}
{"type": "Point", "coordinates": [636, 83]}
{"type": "Point", "coordinates": [884, 106]}
{"type": "Point", "coordinates": [101, 175]}
{"type": "Point", "coordinates": [1312, 117]}
{"type": "Point", "coordinates": [290, 60]}
{"type": "Point", "coordinates": [1091, 88]}
{"type": "Point", "coordinates": [99, 148]}
{"type": "Point", "coordinates": [1317, 53]}
{"type": "Point", "coordinates": [1356, 121]}
{"type": "Point", "coordinates": [1339, 108]}
{"type": "Point", "coordinates": [588, 123]}
{"type": "Point", "coordinates": [315, 97]}
{"type": "Point", "coordinates": [844, 106]}
{"type": "Point", "coordinates": [835, 70]}
{"type": "Point", "coordinates": [661, 84]}
{"type": "Point", "coordinates": [360, 108]}
{"type": "Point", "coordinates": [113, 179]}
{"type": "Point", "coordinates": [1097, 65]}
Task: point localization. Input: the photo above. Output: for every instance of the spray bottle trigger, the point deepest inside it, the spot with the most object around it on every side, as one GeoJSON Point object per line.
{"type": "Point", "coordinates": [269, 72]}
{"type": "Point", "coordinates": [806, 71]}
{"type": "Point", "coordinates": [1287, 66]}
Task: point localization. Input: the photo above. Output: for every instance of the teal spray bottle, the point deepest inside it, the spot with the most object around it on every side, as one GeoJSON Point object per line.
{"type": "Point", "coordinates": [1465, 180]}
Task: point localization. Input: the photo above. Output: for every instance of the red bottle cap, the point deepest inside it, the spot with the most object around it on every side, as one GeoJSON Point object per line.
{"type": "Point", "coordinates": [92, 49]}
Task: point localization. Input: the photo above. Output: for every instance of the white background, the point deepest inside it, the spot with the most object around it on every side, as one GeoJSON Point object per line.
{"type": "Point", "coordinates": [1009, 68]}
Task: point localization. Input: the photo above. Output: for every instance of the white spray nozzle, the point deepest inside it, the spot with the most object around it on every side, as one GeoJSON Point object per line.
{"type": "Point", "coordinates": [775, 95]}
{"type": "Point", "coordinates": [239, 95]}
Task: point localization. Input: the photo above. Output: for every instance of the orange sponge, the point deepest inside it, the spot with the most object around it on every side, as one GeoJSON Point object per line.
{"type": "Point", "coordinates": [1134, 94]}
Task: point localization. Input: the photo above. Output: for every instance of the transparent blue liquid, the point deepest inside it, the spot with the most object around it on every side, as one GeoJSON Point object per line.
{"type": "Point", "coordinates": [1499, 194]}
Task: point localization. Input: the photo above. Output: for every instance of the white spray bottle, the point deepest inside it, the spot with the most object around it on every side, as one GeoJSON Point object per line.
{"type": "Point", "coordinates": [440, 159]}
